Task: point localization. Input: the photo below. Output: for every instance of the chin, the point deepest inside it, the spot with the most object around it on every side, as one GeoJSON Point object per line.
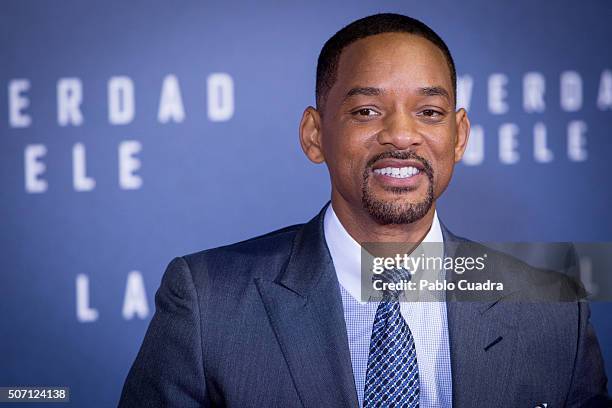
{"type": "Point", "coordinates": [392, 212]}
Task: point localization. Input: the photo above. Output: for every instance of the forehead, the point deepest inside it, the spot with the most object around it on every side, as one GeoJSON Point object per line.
{"type": "Point", "coordinates": [393, 61]}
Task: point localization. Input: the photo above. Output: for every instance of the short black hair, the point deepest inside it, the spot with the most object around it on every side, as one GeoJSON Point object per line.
{"type": "Point", "coordinates": [327, 65]}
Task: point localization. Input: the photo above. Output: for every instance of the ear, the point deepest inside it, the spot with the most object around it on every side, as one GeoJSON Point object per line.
{"type": "Point", "coordinates": [310, 135]}
{"type": "Point", "coordinates": [463, 133]}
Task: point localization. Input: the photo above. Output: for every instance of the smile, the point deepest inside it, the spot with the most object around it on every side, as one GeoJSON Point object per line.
{"type": "Point", "coordinates": [398, 172]}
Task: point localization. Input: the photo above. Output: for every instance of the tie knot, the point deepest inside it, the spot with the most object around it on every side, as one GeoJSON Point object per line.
{"type": "Point", "coordinates": [395, 277]}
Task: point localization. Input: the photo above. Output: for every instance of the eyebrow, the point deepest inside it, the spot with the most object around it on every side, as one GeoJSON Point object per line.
{"type": "Point", "coordinates": [372, 91]}
{"type": "Point", "coordinates": [434, 91]}
{"type": "Point", "coordinates": [366, 91]}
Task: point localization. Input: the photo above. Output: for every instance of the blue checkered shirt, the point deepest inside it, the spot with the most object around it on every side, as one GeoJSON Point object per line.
{"type": "Point", "coordinates": [427, 320]}
{"type": "Point", "coordinates": [433, 355]}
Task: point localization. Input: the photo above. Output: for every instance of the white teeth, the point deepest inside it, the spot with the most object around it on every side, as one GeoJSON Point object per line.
{"type": "Point", "coordinates": [397, 172]}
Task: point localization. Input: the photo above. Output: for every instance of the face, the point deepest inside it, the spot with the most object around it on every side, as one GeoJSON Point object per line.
{"type": "Point", "coordinates": [388, 132]}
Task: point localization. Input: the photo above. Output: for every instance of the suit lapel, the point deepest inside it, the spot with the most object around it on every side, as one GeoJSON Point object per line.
{"type": "Point", "coordinates": [305, 309]}
{"type": "Point", "coordinates": [482, 348]}
{"type": "Point", "coordinates": [483, 339]}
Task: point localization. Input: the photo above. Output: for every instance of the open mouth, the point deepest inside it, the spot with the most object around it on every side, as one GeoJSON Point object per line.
{"type": "Point", "coordinates": [392, 172]}
{"type": "Point", "coordinates": [398, 172]}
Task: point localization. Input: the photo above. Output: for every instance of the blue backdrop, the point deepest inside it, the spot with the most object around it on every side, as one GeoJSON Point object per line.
{"type": "Point", "coordinates": [134, 132]}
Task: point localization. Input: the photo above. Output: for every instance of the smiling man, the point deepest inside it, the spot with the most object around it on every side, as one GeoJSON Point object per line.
{"type": "Point", "coordinates": [281, 321]}
{"type": "Point", "coordinates": [386, 127]}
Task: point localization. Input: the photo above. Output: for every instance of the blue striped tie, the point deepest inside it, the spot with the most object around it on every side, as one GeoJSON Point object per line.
{"type": "Point", "coordinates": [392, 377]}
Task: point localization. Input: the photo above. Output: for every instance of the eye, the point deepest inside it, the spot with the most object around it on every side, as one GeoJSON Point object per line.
{"type": "Point", "coordinates": [431, 113]}
{"type": "Point", "coordinates": [365, 112]}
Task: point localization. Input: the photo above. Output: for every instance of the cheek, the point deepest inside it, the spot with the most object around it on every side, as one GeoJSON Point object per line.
{"type": "Point", "coordinates": [444, 171]}
{"type": "Point", "coordinates": [346, 153]}
{"type": "Point", "coordinates": [340, 163]}
{"type": "Point", "coordinates": [444, 154]}
{"type": "Point", "coordinates": [350, 166]}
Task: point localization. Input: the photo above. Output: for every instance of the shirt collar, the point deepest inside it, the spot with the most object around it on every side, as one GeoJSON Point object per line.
{"type": "Point", "coordinates": [346, 252]}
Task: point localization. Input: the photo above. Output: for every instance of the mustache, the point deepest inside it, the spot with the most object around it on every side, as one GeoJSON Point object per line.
{"type": "Point", "coordinates": [402, 155]}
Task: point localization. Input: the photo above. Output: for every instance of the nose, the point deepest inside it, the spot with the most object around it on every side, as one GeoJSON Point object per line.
{"type": "Point", "coordinates": [400, 131]}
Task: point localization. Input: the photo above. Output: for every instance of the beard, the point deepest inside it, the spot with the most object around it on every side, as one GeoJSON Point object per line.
{"type": "Point", "coordinates": [394, 211]}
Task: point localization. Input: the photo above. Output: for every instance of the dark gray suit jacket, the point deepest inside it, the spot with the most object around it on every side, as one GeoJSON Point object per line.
{"type": "Point", "coordinates": [260, 324]}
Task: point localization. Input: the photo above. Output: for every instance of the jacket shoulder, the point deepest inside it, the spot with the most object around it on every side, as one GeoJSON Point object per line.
{"type": "Point", "coordinates": [536, 283]}
{"type": "Point", "coordinates": [263, 255]}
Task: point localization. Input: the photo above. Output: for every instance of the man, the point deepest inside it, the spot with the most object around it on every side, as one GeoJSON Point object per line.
{"type": "Point", "coordinates": [280, 321]}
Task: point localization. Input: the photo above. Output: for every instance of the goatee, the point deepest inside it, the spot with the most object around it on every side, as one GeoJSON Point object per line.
{"type": "Point", "coordinates": [387, 212]}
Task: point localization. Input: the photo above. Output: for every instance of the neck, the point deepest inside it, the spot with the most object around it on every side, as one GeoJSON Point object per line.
{"type": "Point", "coordinates": [363, 228]}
